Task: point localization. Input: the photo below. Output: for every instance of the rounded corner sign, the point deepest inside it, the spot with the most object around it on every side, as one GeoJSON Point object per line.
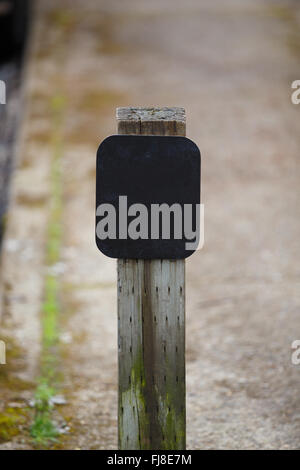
{"type": "Point", "coordinates": [148, 197]}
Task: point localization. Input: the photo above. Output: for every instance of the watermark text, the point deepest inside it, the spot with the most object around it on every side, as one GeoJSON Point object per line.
{"type": "Point", "coordinates": [2, 352]}
{"type": "Point", "coordinates": [161, 221]}
{"type": "Point", "coordinates": [2, 92]}
{"type": "Point", "coordinates": [295, 97]}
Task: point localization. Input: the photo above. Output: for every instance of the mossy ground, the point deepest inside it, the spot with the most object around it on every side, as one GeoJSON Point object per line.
{"type": "Point", "coordinates": [43, 429]}
{"type": "Point", "coordinates": [12, 421]}
{"type": "Point", "coordinates": [14, 416]}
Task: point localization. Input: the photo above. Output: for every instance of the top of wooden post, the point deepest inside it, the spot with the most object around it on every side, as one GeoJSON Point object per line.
{"type": "Point", "coordinates": [150, 114]}
{"type": "Point", "coordinates": [164, 121]}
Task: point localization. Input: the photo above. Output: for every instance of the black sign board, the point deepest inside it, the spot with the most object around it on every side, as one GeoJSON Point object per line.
{"type": "Point", "coordinates": [147, 197]}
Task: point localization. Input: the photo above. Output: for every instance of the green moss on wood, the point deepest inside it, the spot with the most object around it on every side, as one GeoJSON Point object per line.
{"type": "Point", "coordinates": [135, 413]}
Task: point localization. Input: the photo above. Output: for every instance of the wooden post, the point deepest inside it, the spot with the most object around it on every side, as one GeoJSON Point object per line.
{"type": "Point", "coordinates": [151, 325]}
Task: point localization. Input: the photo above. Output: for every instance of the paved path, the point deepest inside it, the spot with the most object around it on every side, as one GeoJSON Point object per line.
{"type": "Point", "coordinates": [230, 64]}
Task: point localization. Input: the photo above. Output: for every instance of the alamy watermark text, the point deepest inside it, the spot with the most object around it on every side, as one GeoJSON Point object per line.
{"type": "Point", "coordinates": [163, 221]}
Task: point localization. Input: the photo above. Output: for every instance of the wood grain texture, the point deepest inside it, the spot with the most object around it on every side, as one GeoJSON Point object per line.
{"type": "Point", "coordinates": [151, 325]}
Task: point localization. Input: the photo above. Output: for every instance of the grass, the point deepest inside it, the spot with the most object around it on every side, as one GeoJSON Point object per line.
{"type": "Point", "coordinates": [11, 420]}
{"type": "Point", "coordinates": [43, 429]}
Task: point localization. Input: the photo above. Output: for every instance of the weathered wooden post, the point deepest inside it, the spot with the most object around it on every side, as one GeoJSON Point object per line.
{"type": "Point", "coordinates": [151, 325]}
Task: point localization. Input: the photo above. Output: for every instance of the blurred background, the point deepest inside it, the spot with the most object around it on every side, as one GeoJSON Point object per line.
{"type": "Point", "coordinates": [66, 66]}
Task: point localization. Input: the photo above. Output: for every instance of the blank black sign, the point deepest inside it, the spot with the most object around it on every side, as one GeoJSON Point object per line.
{"type": "Point", "coordinates": [152, 171]}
